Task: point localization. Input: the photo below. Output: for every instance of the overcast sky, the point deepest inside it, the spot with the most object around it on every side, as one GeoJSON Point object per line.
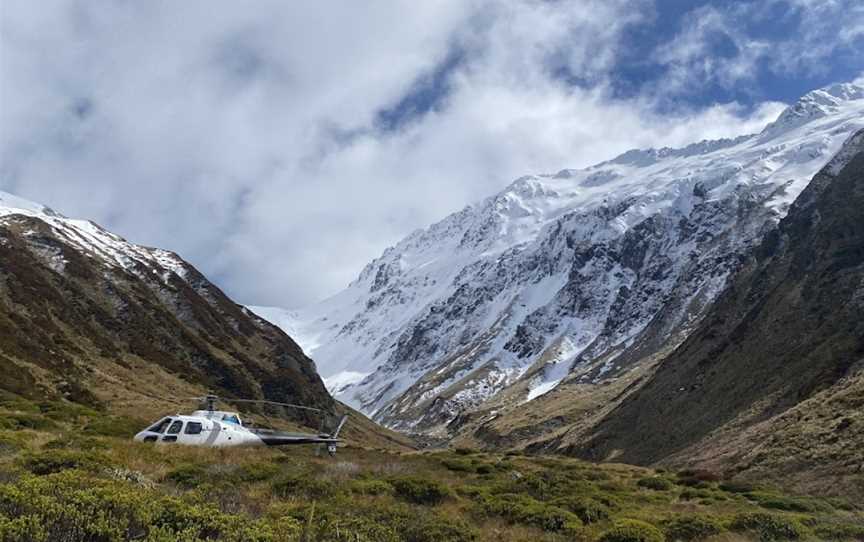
{"type": "Point", "coordinates": [281, 145]}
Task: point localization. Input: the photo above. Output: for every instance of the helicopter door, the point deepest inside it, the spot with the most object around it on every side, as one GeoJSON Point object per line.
{"type": "Point", "coordinates": [173, 431]}
{"type": "Point", "coordinates": [193, 433]}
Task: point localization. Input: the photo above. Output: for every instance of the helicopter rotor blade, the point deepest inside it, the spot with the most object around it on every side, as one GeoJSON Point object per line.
{"type": "Point", "coordinates": [263, 401]}
{"type": "Point", "coordinates": [335, 433]}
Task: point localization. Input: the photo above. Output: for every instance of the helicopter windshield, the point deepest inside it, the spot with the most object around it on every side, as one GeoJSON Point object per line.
{"type": "Point", "coordinates": [231, 419]}
{"type": "Point", "coordinates": [160, 426]}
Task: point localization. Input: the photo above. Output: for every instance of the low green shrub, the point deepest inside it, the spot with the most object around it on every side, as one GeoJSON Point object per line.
{"type": "Point", "coordinates": [76, 441]}
{"type": "Point", "coordinates": [53, 461]}
{"type": "Point", "coordinates": [587, 509]}
{"type": "Point", "coordinates": [689, 528]}
{"type": "Point", "coordinates": [548, 485]}
{"type": "Point", "coordinates": [420, 490]}
{"type": "Point", "coordinates": [537, 485]}
{"type": "Point", "coordinates": [731, 486]}
{"type": "Point", "coordinates": [371, 487]}
{"type": "Point", "coordinates": [693, 482]}
{"type": "Point", "coordinates": [655, 483]}
{"type": "Point", "coordinates": [595, 475]}
{"type": "Point", "coordinates": [475, 493]}
{"type": "Point", "coordinates": [691, 494]}
{"type": "Point", "coordinates": [631, 530]}
{"type": "Point", "coordinates": [74, 506]}
{"type": "Point", "coordinates": [23, 528]}
{"type": "Point", "coordinates": [9, 445]}
{"type": "Point", "coordinates": [769, 527]}
{"type": "Point", "coordinates": [840, 532]}
{"type": "Point", "coordinates": [347, 528]}
{"type": "Point", "coordinates": [10, 401]}
{"type": "Point", "coordinates": [65, 410]}
{"type": "Point", "coordinates": [459, 465]}
{"type": "Point", "coordinates": [16, 421]}
{"type": "Point", "coordinates": [373, 521]}
{"type": "Point", "coordinates": [257, 472]}
{"type": "Point", "coordinates": [844, 503]}
{"type": "Point", "coordinates": [306, 485]}
{"type": "Point", "coordinates": [785, 503]}
{"type": "Point", "coordinates": [188, 475]}
{"type": "Point", "coordinates": [114, 426]}
{"type": "Point", "coordinates": [433, 528]}
{"type": "Point", "coordinates": [613, 486]}
{"type": "Point", "coordinates": [485, 468]}
{"type": "Point", "coordinates": [526, 510]}
{"type": "Point", "coordinates": [471, 465]}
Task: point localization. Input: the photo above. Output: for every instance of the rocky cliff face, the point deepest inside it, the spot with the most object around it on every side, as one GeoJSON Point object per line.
{"type": "Point", "coordinates": [90, 317]}
{"type": "Point", "coordinates": [576, 277]}
{"type": "Point", "coordinates": [772, 381]}
{"type": "Point", "coordinates": [773, 378]}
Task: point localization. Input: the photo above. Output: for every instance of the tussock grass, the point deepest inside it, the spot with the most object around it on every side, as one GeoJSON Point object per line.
{"type": "Point", "coordinates": [59, 481]}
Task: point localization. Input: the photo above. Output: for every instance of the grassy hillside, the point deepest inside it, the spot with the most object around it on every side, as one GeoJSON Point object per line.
{"type": "Point", "coordinates": [75, 324]}
{"type": "Point", "coordinates": [69, 473]}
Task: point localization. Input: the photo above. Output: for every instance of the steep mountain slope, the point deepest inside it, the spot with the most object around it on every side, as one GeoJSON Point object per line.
{"type": "Point", "coordinates": [773, 379]}
{"type": "Point", "coordinates": [90, 317]}
{"type": "Point", "coordinates": [582, 276]}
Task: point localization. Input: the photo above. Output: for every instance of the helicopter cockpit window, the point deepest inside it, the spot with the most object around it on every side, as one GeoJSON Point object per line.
{"type": "Point", "coordinates": [175, 427]}
{"type": "Point", "coordinates": [231, 419]}
{"type": "Point", "coordinates": [160, 426]}
{"type": "Point", "coordinates": [193, 428]}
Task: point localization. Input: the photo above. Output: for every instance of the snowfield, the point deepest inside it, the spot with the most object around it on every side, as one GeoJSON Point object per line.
{"type": "Point", "coordinates": [576, 274]}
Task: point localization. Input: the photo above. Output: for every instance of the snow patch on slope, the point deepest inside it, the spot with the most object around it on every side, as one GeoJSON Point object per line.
{"type": "Point", "coordinates": [464, 308]}
{"type": "Point", "coordinates": [554, 371]}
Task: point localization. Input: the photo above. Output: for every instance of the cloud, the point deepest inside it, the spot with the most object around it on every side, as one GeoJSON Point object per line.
{"type": "Point", "coordinates": [280, 146]}
{"type": "Point", "coordinates": [710, 48]}
{"type": "Point", "coordinates": [737, 42]}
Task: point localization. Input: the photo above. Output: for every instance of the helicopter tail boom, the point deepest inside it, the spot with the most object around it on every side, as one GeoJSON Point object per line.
{"type": "Point", "coordinates": [339, 426]}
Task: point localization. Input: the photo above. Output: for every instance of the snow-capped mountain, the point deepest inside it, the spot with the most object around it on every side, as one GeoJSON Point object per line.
{"type": "Point", "coordinates": [87, 315]}
{"type": "Point", "coordinates": [93, 240]}
{"type": "Point", "coordinates": [579, 274]}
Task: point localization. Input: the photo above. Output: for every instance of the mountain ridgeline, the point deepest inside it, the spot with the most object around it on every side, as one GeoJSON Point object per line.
{"type": "Point", "coordinates": [534, 312]}
{"type": "Point", "coordinates": [89, 317]}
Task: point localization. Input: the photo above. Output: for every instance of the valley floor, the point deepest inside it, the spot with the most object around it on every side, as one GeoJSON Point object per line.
{"type": "Point", "coordinates": [69, 473]}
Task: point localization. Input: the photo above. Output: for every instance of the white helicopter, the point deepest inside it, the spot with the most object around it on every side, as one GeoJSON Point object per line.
{"type": "Point", "coordinates": [219, 428]}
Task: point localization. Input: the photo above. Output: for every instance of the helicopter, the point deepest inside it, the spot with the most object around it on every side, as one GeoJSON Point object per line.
{"type": "Point", "coordinates": [221, 429]}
